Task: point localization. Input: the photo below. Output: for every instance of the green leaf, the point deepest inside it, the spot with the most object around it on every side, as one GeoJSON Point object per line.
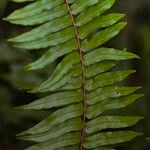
{"type": "Point", "coordinates": [73, 84]}
{"type": "Point", "coordinates": [102, 54]}
{"type": "Point", "coordinates": [64, 140]}
{"type": "Point", "coordinates": [80, 5]}
{"type": "Point", "coordinates": [66, 127]}
{"type": "Point", "coordinates": [20, 1]}
{"type": "Point", "coordinates": [107, 138]}
{"type": "Point", "coordinates": [56, 118]}
{"type": "Point", "coordinates": [60, 71]}
{"type": "Point", "coordinates": [110, 104]}
{"type": "Point", "coordinates": [108, 122]}
{"type": "Point", "coordinates": [106, 79]}
{"type": "Point", "coordinates": [104, 148]}
{"type": "Point", "coordinates": [93, 12]}
{"type": "Point", "coordinates": [41, 17]}
{"type": "Point", "coordinates": [56, 86]}
{"type": "Point", "coordinates": [71, 1]}
{"type": "Point", "coordinates": [69, 148]}
{"type": "Point", "coordinates": [99, 22]}
{"type": "Point", "coordinates": [99, 67]}
{"type": "Point", "coordinates": [37, 8]}
{"type": "Point", "coordinates": [52, 54]}
{"type": "Point", "coordinates": [102, 36]}
{"type": "Point", "coordinates": [109, 92]}
{"type": "Point", "coordinates": [55, 100]}
{"type": "Point", "coordinates": [49, 40]}
{"type": "Point", "coordinates": [43, 30]}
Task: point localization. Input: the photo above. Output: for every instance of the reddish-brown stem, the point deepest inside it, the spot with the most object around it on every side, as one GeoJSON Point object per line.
{"type": "Point", "coordinates": [83, 73]}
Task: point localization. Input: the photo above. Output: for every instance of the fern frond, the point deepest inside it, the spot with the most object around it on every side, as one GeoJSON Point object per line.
{"type": "Point", "coordinates": [83, 85]}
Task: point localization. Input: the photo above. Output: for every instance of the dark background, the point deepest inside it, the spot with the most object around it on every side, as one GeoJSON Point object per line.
{"type": "Point", "coordinates": [135, 37]}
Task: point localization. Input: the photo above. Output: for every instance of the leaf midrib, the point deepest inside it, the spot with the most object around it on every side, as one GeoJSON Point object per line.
{"type": "Point", "coordinates": [82, 71]}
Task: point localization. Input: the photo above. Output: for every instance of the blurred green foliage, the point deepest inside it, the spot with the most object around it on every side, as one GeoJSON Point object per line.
{"type": "Point", "coordinates": [12, 76]}
{"type": "Point", "coordinates": [3, 4]}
